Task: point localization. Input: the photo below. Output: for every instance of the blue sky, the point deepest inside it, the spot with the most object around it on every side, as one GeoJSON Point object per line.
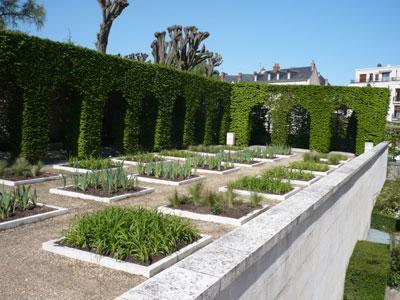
{"type": "Point", "coordinates": [340, 35]}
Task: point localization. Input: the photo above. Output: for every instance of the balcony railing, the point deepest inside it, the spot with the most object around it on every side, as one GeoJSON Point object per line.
{"type": "Point", "coordinates": [380, 80]}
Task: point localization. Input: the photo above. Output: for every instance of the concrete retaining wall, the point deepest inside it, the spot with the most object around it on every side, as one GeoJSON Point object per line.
{"type": "Point", "coordinates": [296, 250]}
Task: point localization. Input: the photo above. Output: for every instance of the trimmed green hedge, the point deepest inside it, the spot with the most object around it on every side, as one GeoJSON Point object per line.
{"type": "Point", "coordinates": [43, 70]}
{"type": "Point", "coordinates": [385, 223]}
{"type": "Point", "coordinates": [368, 271]}
{"type": "Point", "coordinates": [369, 104]}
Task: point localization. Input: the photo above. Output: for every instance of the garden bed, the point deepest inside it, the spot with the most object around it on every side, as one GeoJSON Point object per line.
{"type": "Point", "coordinates": [38, 213]}
{"type": "Point", "coordinates": [105, 238]}
{"type": "Point", "coordinates": [210, 171]}
{"type": "Point", "coordinates": [253, 164]}
{"type": "Point", "coordinates": [264, 195]}
{"type": "Point", "coordinates": [135, 159]}
{"type": "Point", "coordinates": [298, 178]}
{"type": "Point", "coordinates": [317, 173]}
{"type": "Point", "coordinates": [22, 180]}
{"type": "Point", "coordinates": [211, 165]}
{"type": "Point", "coordinates": [302, 182]}
{"type": "Point", "coordinates": [235, 216]}
{"type": "Point", "coordinates": [175, 182]}
{"type": "Point", "coordinates": [67, 167]}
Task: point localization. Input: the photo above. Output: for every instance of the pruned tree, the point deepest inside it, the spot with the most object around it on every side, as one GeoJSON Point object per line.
{"type": "Point", "coordinates": [14, 11]}
{"type": "Point", "coordinates": [140, 56]}
{"type": "Point", "coordinates": [184, 51]}
{"type": "Point", "coordinates": [212, 62]}
{"type": "Point", "coordinates": [111, 9]}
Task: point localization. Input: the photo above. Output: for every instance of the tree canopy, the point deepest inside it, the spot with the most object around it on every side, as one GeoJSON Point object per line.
{"type": "Point", "coordinates": [13, 12]}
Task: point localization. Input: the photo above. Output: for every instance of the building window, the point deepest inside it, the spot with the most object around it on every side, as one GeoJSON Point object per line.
{"type": "Point", "coordinates": [385, 76]}
{"type": "Point", "coordinates": [397, 96]}
{"type": "Point", "coordinates": [363, 77]}
{"type": "Point", "coordinates": [371, 77]}
{"type": "Point", "coordinates": [377, 77]}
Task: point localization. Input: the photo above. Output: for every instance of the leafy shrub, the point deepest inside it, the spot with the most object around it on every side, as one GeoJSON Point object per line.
{"type": "Point", "coordinates": [308, 165]}
{"type": "Point", "coordinates": [284, 173]}
{"type": "Point", "coordinates": [142, 157]}
{"type": "Point", "coordinates": [20, 167]}
{"type": "Point", "coordinates": [167, 170]}
{"type": "Point", "coordinates": [367, 272]}
{"type": "Point", "coordinates": [126, 233]}
{"type": "Point", "coordinates": [281, 149]}
{"type": "Point", "coordinates": [176, 153]}
{"type": "Point", "coordinates": [312, 156]}
{"type": "Point", "coordinates": [20, 199]}
{"type": "Point", "coordinates": [209, 162]}
{"type": "Point", "coordinates": [109, 180]}
{"type": "Point", "coordinates": [388, 202]}
{"type": "Point", "coordinates": [261, 184]}
{"type": "Point", "coordinates": [92, 163]}
{"type": "Point", "coordinates": [394, 275]}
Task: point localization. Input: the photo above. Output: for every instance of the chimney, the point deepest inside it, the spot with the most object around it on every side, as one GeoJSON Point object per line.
{"type": "Point", "coordinates": [222, 76]}
{"type": "Point", "coordinates": [276, 68]}
{"type": "Point", "coordinates": [269, 76]}
{"type": "Point", "coordinates": [239, 77]}
{"type": "Point", "coordinates": [289, 75]}
{"type": "Point", "coordinates": [313, 66]}
{"type": "Point", "coordinates": [255, 76]}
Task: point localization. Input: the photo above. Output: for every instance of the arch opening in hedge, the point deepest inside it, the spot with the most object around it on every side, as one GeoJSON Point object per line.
{"type": "Point", "coordinates": [343, 130]}
{"type": "Point", "coordinates": [299, 126]}
{"type": "Point", "coordinates": [147, 122]}
{"type": "Point", "coordinates": [259, 125]}
{"type": "Point", "coordinates": [113, 124]}
{"type": "Point", "coordinates": [178, 123]}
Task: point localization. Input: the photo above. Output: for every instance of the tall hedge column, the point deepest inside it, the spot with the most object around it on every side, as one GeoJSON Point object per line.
{"type": "Point", "coordinates": [89, 141]}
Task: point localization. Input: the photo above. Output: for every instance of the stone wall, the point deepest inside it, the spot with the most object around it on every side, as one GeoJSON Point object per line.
{"type": "Point", "coordinates": [299, 249]}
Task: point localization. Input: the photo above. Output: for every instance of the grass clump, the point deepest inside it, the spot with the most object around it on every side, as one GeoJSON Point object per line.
{"type": "Point", "coordinates": [177, 153]}
{"type": "Point", "coordinates": [20, 168]}
{"type": "Point", "coordinates": [330, 158]}
{"type": "Point", "coordinates": [309, 165]}
{"type": "Point", "coordinates": [263, 152]}
{"type": "Point", "coordinates": [92, 163]}
{"type": "Point", "coordinates": [166, 170]}
{"type": "Point", "coordinates": [109, 180]}
{"type": "Point", "coordinates": [213, 148]}
{"type": "Point", "coordinates": [243, 157]}
{"type": "Point", "coordinates": [388, 202]}
{"type": "Point", "coordinates": [284, 173]}
{"type": "Point", "coordinates": [142, 157]}
{"type": "Point", "coordinates": [209, 162]}
{"type": "Point", "coordinates": [261, 184]}
{"type": "Point", "coordinates": [281, 149]}
{"type": "Point", "coordinates": [130, 234]}
{"type": "Point", "coordinates": [367, 273]}
{"type": "Point", "coordinates": [20, 199]}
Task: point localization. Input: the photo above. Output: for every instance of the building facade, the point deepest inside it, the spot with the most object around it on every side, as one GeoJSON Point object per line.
{"type": "Point", "coordinates": [296, 75]}
{"type": "Point", "coordinates": [382, 77]}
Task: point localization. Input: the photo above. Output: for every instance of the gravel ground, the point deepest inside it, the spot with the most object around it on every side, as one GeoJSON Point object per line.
{"type": "Point", "coordinates": [27, 272]}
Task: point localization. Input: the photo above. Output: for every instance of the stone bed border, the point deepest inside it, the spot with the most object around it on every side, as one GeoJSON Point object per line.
{"type": "Point", "coordinates": [205, 171]}
{"type": "Point", "coordinates": [212, 218]}
{"type": "Point", "coordinates": [128, 267]}
{"type": "Point", "coordinates": [302, 182]}
{"type": "Point", "coordinates": [64, 167]}
{"type": "Point", "coordinates": [34, 218]}
{"type": "Point", "coordinates": [167, 182]}
{"type": "Point", "coordinates": [62, 192]}
{"type": "Point", "coordinates": [268, 159]}
{"type": "Point", "coordinates": [166, 157]}
{"type": "Point", "coordinates": [29, 181]}
{"type": "Point", "coordinates": [224, 189]}
{"type": "Point", "coordinates": [255, 165]}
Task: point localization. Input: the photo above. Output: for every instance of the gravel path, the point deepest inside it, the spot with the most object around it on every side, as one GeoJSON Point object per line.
{"type": "Point", "coordinates": [27, 272]}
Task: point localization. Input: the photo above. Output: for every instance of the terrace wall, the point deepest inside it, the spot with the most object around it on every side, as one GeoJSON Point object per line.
{"type": "Point", "coordinates": [299, 249]}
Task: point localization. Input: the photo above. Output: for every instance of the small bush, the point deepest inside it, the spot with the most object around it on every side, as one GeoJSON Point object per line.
{"type": "Point", "coordinates": [129, 233]}
{"type": "Point", "coordinates": [367, 273]}
{"type": "Point", "coordinates": [394, 275]}
{"type": "Point", "coordinates": [20, 167]}
{"type": "Point", "coordinates": [244, 157]}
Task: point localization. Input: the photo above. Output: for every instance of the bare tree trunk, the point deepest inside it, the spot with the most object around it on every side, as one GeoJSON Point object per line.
{"type": "Point", "coordinates": [102, 37]}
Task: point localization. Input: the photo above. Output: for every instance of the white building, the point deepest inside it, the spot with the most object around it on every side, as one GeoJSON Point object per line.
{"type": "Point", "coordinates": [382, 77]}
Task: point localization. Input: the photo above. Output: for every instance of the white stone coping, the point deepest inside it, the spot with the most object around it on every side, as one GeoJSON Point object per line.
{"type": "Point", "coordinates": [206, 171]}
{"type": "Point", "coordinates": [34, 218]}
{"type": "Point", "coordinates": [67, 168]}
{"type": "Point", "coordinates": [255, 165]}
{"type": "Point", "coordinates": [167, 182]}
{"type": "Point", "coordinates": [264, 195]}
{"type": "Point", "coordinates": [128, 267]}
{"type": "Point", "coordinates": [29, 181]}
{"type": "Point", "coordinates": [300, 150]}
{"type": "Point", "coordinates": [212, 218]}
{"type": "Point", "coordinates": [166, 157]}
{"type": "Point", "coordinates": [61, 191]}
{"type": "Point", "coordinates": [285, 155]}
{"type": "Point", "coordinates": [302, 182]}
{"type": "Point", "coordinates": [268, 159]}
{"type": "Point", "coordinates": [202, 153]}
{"type": "Point", "coordinates": [208, 272]}
{"type": "Point", "coordinates": [317, 173]}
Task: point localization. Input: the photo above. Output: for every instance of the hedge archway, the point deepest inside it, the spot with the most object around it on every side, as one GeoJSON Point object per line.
{"type": "Point", "coordinates": [147, 122]}
{"type": "Point", "coordinates": [260, 125]}
{"type": "Point", "coordinates": [343, 130]}
{"type": "Point", "coordinates": [299, 122]}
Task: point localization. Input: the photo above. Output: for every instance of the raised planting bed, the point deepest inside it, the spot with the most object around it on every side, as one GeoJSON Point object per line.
{"type": "Point", "coordinates": [224, 208]}
{"type": "Point", "coordinates": [167, 173]}
{"type": "Point", "coordinates": [105, 238]}
{"type": "Point", "coordinates": [333, 160]}
{"type": "Point", "coordinates": [243, 158]}
{"type": "Point", "coordinates": [21, 172]}
{"type": "Point", "coordinates": [89, 165]}
{"type": "Point", "coordinates": [294, 177]}
{"type": "Point", "coordinates": [264, 154]}
{"type": "Point", "coordinates": [265, 186]}
{"type": "Point", "coordinates": [135, 159]}
{"type": "Point", "coordinates": [311, 167]}
{"type": "Point", "coordinates": [214, 149]}
{"type": "Point", "coordinates": [211, 165]}
{"type": "Point", "coordinates": [180, 155]}
{"type": "Point", "coordinates": [20, 207]}
{"type": "Point", "coordinates": [105, 186]}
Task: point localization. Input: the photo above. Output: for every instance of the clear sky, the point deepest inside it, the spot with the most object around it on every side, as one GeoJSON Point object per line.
{"type": "Point", "coordinates": [340, 35]}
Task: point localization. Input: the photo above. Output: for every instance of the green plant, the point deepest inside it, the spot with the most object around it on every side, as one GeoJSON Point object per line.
{"type": "Point", "coordinates": [19, 199]}
{"type": "Point", "coordinates": [167, 170]}
{"type": "Point", "coordinates": [130, 233]}
{"type": "Point", "coordinates": [35, 169]}
{"type": "Point", "coordinates": [394, 275]}
{"type": "Point", "coordinates": [262, 184]}
{"type": "Point", "coordinates": [267, 152]}
{"type": "Point", "coordinates": [312, 156]}
{"type": "Point", "coordinates": [367, 272]}
{"type": "Point", "coordinates": [174, 200]}
{"type": "Point", "coordinates": [213, 148]}
{"type": "Point", "coordinates": [255, 200]}
{"type": "Point", "coordinates": [388, 201]}
{"type": "Point", "coordinates": [92, 163]}
{"type": "Point", "coordinates": [230, 198]}
{"type": "Point", "coordinates": [281, 149]}
{"type": "Point", "coordinates": [177, 153]}
{"type": "Point", "coordinates": [245, 157]}
{"type": "Point", "coordinates": [209, 162]}
{"type": "Point", "coordinates": [308, 165]}
{"type": "Point", "coordinates": [3, 167]}
{"type": "Point", "coordinates": [285, 173]}
{"type": "Point", "coordinates": [142, 157]}
{"type": "Point", "coordinates": [20, 167]}
{"type": "Point", "coordinates": [196, 191]}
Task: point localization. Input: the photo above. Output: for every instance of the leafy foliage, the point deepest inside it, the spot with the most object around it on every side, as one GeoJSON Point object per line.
{"type": "Point", "coordinates": [261, 184]}
{"type": "Point", "coordinates": [167, 170]}
{"type": "Point", "coordinates": [388, 202]}
{"type": "Point", "coordinates": [142, 157]}
{"type": "Point", "coordinates": [285, 173]}
{"type": "Point", "coordinates": [126, 233]}
{"type": "Point", "coordinates": [20, 199]}
{"type": "Point", "coordinates": [20, 167]}
{"type": "Point", "coordinates": [14, 11]}
{"type": "Point", "coordinates": [209, 162]}
{"type": "Point", "coordinates": [93, 163]}
{"type": "Point", "coordinates": [309, 165]}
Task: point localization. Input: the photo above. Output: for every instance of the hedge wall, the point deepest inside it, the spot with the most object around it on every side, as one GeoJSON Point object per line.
{"type": "Point", "coordinates": [42, 70]}
{"type": "Point", "coordinates": [369, 104]}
